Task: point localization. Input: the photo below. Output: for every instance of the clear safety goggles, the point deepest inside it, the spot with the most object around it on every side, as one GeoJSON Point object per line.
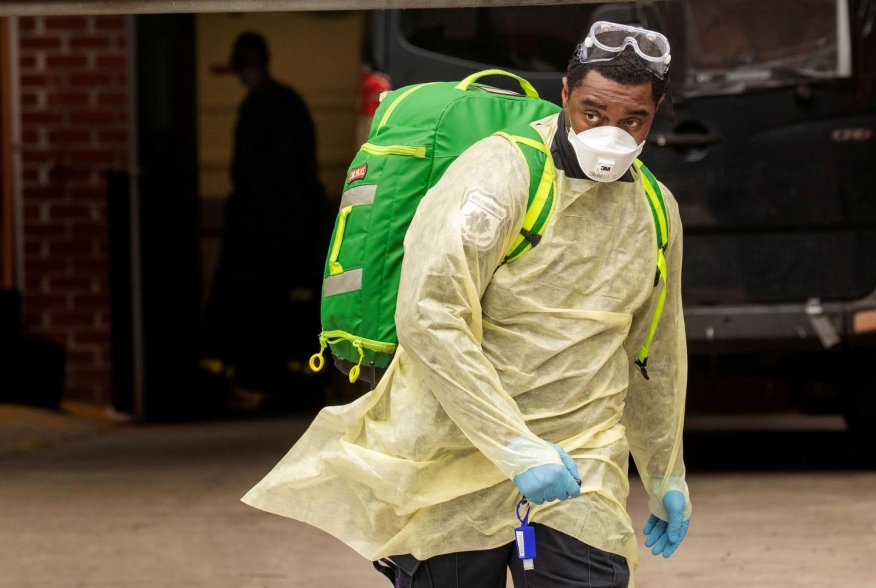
{"type": "Point", "coordinates": [607, 40]}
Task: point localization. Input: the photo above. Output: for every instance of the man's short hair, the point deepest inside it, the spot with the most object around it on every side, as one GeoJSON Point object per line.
{"type": "Point", "coordinates": [250, 49]}
{"type": "Point", "coordinates": [625, 69]}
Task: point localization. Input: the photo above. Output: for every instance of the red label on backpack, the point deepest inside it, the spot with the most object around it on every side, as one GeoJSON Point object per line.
{"type": "Point", "coordinates": [358, 173]}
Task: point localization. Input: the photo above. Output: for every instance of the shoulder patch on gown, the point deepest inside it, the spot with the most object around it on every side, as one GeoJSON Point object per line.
{"type": "Point", "coordinates": [482, 218]}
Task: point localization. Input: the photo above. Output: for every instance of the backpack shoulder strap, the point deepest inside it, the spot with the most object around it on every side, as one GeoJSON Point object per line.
{"type": "Point", "coordinates": [542, 187]}
{"type": "Point", "coordinates": [656, 202]}
{"type": "Point", "coordinates": [661, 224]}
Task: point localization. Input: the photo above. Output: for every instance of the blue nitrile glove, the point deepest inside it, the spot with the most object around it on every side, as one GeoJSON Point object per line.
{"type": "Point", "coordinates": [550, 481]}
{"type": "Point", "coordinates": [664, 538]}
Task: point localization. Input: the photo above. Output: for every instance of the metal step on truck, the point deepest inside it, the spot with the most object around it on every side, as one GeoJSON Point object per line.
{"type": "Point", "coordinates": [771, 155]}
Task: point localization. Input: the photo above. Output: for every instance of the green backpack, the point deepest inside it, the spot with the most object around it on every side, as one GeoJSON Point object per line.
{"type": "Point", "coordinates": [418, 131]}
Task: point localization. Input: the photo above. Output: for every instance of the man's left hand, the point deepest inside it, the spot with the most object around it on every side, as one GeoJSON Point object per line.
{"type": "Point", "coordinates": [664, 537]}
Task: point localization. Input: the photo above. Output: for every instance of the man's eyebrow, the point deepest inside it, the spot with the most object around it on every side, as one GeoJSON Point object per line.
{"type": "Point", "coordinates": [639, 112]}
{"type": "Point", "coordinates": [594, 103]}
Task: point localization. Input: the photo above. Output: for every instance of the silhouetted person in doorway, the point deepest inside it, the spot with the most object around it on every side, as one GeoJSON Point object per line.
{"type": "Point", "coordinates": [263, 315]}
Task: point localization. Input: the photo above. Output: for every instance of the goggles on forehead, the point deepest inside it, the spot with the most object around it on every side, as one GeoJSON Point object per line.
{"type": "Point", "coordinates": [606, 40]}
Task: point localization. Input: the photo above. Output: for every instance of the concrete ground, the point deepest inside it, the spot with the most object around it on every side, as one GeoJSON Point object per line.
{"type": "Point", "coordinates": [85, 503]}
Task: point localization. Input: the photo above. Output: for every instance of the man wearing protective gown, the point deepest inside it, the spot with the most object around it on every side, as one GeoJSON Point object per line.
{"type": "Point", "coordinates": [504, 368]}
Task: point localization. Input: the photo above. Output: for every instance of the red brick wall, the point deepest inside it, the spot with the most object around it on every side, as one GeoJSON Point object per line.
{"type": "Point", "coordinates": [74, 129]}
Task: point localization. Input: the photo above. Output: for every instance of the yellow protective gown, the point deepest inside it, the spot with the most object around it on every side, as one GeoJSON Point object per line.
{"type": "Point", "coordinates": [495, 363]}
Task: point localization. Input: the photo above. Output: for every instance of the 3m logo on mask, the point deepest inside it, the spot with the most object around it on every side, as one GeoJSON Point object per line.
{"type": "Point", "coordinates": [604, 166]}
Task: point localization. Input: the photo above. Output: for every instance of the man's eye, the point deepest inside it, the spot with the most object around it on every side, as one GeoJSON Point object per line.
{"type": "Point", "coordinates": [591, 117]}
{"type": "Point", "coordinates": [633, 124]}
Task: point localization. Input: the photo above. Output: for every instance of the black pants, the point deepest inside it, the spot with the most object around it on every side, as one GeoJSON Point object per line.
{"type": "Point", "coordinates": [561, 562]}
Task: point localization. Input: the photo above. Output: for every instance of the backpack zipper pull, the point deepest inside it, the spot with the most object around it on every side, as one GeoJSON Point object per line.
{"type": "Point", "coordinates": [317, 361]}
{"type": "Point", "coordinates": [354, 371]}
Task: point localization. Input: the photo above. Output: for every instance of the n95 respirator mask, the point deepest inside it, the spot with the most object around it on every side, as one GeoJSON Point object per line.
{"type": "Point", "coordinates": [605, 153]}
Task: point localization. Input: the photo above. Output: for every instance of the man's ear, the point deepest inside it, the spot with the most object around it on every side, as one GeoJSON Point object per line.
{"type": "Point", "coordinates": [565, 93]}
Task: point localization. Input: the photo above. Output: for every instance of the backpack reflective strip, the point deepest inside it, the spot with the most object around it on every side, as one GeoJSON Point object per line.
{"type": "Point", "coordinates": [348, 281]}
{"type": "Point", "coordinates": [359, 195]}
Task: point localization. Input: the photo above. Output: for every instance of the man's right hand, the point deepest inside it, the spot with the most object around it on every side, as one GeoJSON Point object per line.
{"type": "Point", "coordinates": [551, 481]}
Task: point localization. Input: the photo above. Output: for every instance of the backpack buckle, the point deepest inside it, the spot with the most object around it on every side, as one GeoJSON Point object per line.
{"type": "Point", "coordinates": [641, 365]}
{"type": "Point", "coordinates": [533, 238]}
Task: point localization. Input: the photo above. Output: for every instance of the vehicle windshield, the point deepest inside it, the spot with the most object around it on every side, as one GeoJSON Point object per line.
{"type": "Point", "coordinates": [732, 46]}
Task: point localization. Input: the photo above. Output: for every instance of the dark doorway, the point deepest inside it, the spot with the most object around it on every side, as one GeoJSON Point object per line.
{"type": "Point", "coordinates": [164, 342]}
